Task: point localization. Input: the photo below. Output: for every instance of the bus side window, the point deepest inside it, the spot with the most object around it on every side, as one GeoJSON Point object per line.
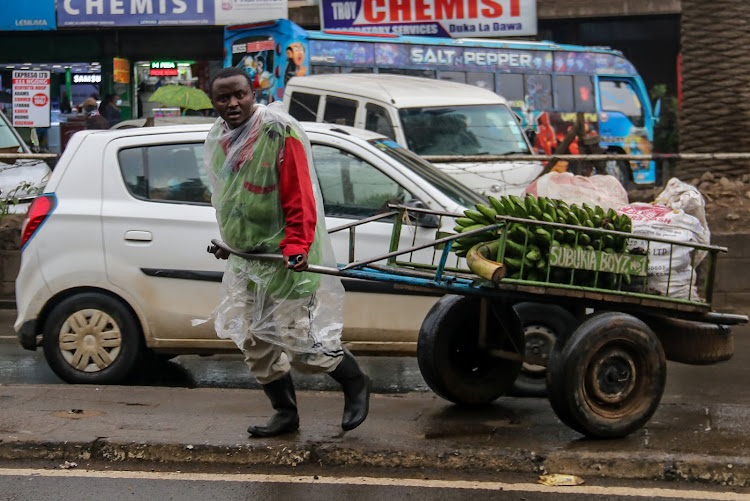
{"type": "Point", "coordinates": [340, 111]}
{"type": "Point", "coordinates": [564, 97]}
{"type": "Point", "coordinates": [453, 76]}
{"type": "Point", "coordinates": [584, 93]}
{"type": "Point", "coordinates": [510, 86]}
{"type": "Point", "coordinates": [325, 70]}
{"type": "Point", "coordinates": [481, 79]}
{"type": "Point", "coordinates": [377, 120]}
{"type": "Point", "coordinates": [304, 107]}
{"type": "Point", "coordinates": [539, 90]}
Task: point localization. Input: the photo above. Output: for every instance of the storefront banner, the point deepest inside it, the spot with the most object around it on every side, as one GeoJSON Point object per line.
{"type": "Point", "coordinates": [454, 18]}
{"type": "Point", "coordinates": [249, 11]}
{"type": "Point", "coordinates": [31, 99]}
{"type": "Point", "coordinates": [26, 15]}
{"type": "Point", "coordinates": [75, 13]}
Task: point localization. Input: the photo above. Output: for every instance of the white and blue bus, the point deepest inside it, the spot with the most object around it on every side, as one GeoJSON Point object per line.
{"type": "Point", "coordinates": [546, 83]}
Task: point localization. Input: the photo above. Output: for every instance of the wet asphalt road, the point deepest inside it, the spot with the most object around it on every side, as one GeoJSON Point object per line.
{"type": "Point", "coordinates": [727, 382]}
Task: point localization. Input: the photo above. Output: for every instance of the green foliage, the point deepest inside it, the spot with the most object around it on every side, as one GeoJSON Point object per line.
{"type": "Point", "coordinates": [666, 130]}
{"type": "Point", "coordinates": [11, 199]}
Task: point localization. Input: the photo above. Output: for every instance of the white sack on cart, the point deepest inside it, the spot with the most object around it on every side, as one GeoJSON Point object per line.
{"type": "Point", "coordinates": [682, 196]}
{"type": "Point", "coordinates": [603, 190]}
{"type": "Point", "coordinates": [658, 221]}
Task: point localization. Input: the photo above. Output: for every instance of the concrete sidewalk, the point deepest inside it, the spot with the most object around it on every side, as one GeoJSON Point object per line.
{"type": "Point", "coordinates": [178, 425]}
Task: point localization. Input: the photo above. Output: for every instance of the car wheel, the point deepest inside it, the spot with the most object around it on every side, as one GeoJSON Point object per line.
{"type": "Point", "coordinates": [92, 338]}
{"type": "Point", "coordinates": [608, 379]}
{"type": "Point", "coordinates": [452, 362]}
{"type": "Point", "coordinates": [543, 325]}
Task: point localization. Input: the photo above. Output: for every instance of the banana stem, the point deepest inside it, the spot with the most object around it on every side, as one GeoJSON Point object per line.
{"type": "Point", "coordinates": [480, 263]}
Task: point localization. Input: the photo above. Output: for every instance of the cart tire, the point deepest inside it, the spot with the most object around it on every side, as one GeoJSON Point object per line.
{"type": "Point", "coordinates": [542, 324]}
{"type": "Point", "coordinates": [694, 343]}
{"type": "Point", "coordinates": [449, 357]}
{"type": "Point", "coordinates": [607, 380]}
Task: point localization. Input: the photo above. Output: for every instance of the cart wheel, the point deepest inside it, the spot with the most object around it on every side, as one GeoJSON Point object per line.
{"type": "Point", "coordinates": [608, 379]}
{"type": "Point", "coordinates": [542, 324]}
{"type": "Point", "coordinates": [694, 343]}
{"type": "Point", "coordinates": [450, 359]}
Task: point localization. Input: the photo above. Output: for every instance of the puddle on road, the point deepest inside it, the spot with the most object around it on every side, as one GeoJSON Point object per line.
{"type": "Point", "coordinates": [77, 414]}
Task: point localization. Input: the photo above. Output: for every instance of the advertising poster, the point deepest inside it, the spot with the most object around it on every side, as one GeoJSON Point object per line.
{"type": "Point", "coordinates": [26, 15]}
{"type": "Point", "coordinates": [441, 18]}
{"type": "Point", "coordinates": [76, 13]}
{"type": "Point", "coordinates": [31, 99]}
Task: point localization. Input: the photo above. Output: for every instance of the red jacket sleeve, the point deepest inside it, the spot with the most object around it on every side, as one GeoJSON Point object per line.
{"type": "Point", "coordinates": [297, 200]}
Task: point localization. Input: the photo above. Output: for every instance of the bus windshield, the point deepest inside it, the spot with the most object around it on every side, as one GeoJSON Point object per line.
{"type": "Point", "coordinates": [463, 130]}
{"type": "Point", "coordinates": [451, 188]}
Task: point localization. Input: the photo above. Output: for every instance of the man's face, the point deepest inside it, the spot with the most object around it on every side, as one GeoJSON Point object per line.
{"type": "Point", "coordinates": [233, 100]}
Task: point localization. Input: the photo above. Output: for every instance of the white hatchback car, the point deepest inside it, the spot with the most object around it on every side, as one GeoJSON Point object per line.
{"type": "Point", "coordinates": [114, 259]}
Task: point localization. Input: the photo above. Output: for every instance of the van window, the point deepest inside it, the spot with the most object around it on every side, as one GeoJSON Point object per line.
{"type": "Point", "coordinates": [340, 111]}
{"type": "Point", "coordinates": [171, 172]}
{"type": "Point", "coordinates": [489, 129]}
{"type": "Point", "coordinates": [304, 106]}
{"type": "Point", "coordinates": [377, 120]}
{"type": "Point", "coordinates": [352, 187]}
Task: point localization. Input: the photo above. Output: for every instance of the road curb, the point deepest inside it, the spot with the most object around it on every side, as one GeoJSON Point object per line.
{"type": "Point", "coordinates": [729, 471]}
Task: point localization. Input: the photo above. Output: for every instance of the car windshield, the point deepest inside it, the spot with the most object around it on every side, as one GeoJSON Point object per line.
{"type": "Point", "coordinates": [8, 141]}
{"type": "Point", "coordinates": [463, 130]}
{"type": "Point", "coordinates": [451, 188]}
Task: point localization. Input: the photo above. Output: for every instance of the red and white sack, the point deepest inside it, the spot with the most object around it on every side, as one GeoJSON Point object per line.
{"type": "Point", "coordinates": [657, 221]}
{"type": "Point", "coordinates": [603, 190]}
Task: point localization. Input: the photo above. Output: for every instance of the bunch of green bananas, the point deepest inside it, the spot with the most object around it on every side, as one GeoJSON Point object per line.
{"type": "Point", "coordinates": [527, 245]}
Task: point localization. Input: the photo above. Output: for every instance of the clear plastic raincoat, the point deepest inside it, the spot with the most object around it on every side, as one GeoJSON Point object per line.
{"type": "Point", "coordinates": [300, 311]}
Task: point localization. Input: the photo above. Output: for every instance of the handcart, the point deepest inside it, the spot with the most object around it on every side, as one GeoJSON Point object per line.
{"type": "Point", "coordinates": [605, 373]}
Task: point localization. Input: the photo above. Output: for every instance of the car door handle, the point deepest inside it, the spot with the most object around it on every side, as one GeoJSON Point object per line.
{"type": "Point", "coordinates": [138, 236]}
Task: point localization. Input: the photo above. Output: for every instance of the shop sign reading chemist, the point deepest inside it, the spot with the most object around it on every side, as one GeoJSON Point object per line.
{"type": "Point", "coordinates": [73, 13]}
{"type": "Point", "coordinates": [454, 18]}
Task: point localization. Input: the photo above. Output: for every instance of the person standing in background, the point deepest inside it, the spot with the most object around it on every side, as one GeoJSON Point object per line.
{"type": "Point", "coordinates": [109, 109]}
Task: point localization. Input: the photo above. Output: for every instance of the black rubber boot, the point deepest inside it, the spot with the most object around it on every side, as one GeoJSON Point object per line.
{"type": "Point", "coordinates": [283, 400]}
{"type": "Point", "coordinates": [356, 387]}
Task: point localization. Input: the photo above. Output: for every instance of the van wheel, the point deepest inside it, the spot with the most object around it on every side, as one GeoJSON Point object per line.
{"type": "Point", "coordinates": [91, 338]}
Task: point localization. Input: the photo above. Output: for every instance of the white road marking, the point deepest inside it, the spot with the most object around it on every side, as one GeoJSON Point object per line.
{"type": "Point", "coordinates": [648, 493]}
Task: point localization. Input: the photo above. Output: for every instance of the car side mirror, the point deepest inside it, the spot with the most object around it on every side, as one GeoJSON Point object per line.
{"type": "Point", "coordinates": [423, 219]}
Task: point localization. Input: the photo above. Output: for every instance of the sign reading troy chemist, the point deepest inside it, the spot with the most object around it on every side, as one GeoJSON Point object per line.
{"type": "Point", "coordinates": [455, 18]}
{"type": "Point", "coordinates": [31, 103]}
{"type": "Point", "coordinates": [73, 13]}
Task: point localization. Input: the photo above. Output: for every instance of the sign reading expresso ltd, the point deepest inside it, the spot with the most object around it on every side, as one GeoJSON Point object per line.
{"type": "Point", "coordinates": [31, 102]}
{"type": "Point", "coordinates": [76, 13]}
{"type": "Point", "coordinates": [453, 18]}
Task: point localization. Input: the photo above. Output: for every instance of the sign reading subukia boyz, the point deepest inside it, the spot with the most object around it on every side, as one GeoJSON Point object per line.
{"type": "Point", "coordinates": [31, 102]}
{"type": "Point", "coordinates": [443, 18]}
{"type": "Point", "coordinates": [586, 259]}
